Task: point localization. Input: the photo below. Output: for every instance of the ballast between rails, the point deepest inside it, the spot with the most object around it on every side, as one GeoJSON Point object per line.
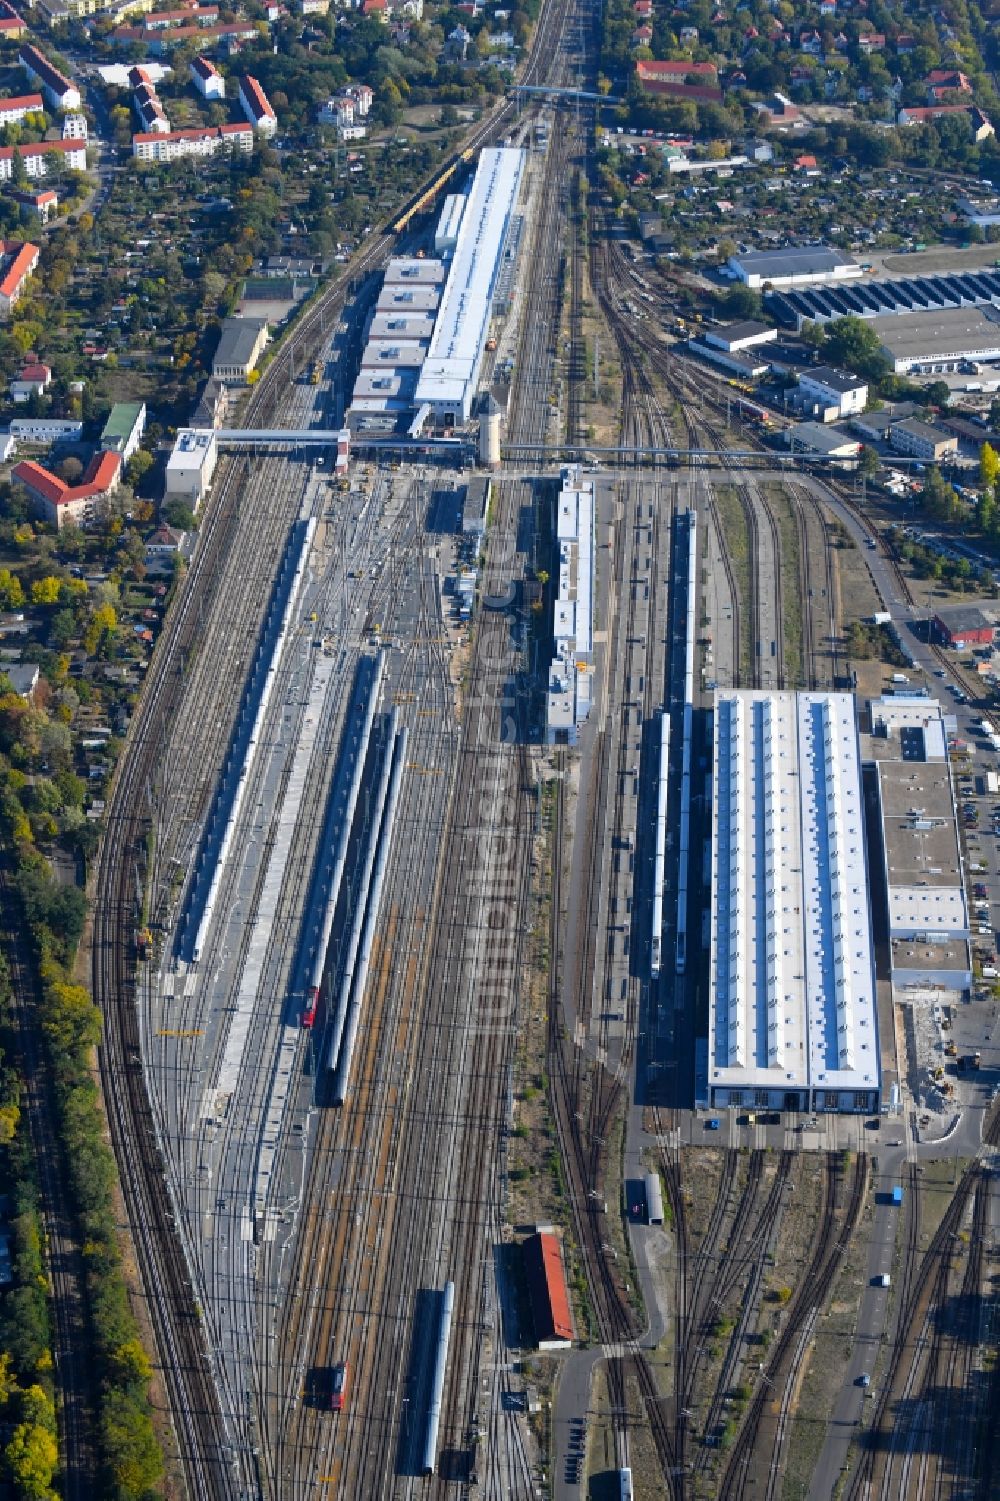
{"type": "Point", "coordinates": [339, 1012]}
{"type": "Point", "coordinates": [335, 875]}
{"type": "Point", "coordinates": [659, 862]}
{"type": "Point", "coordinates": [264, 673]}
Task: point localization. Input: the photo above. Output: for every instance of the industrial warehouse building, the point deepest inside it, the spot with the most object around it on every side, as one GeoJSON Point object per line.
{"type": "Point", "coordinates": [547, 1293]}
{"type": "Point", "coordinates": [834, 391]}
{"type": "Point", "coordinates": [938, 342]}
{"type": "Point", "coordinates": [921, 864]}
{"type": "Point", "coordinates": [436, 311]}
{"type": "Point", "coordinates": [822, 442]}
{"type": "Point", "coordinates": [794, 266]}
{"type": "Point", "coordinates": [732, 337]}
{"type": "Point", "coordinates": [960, 290]}
{"type": "Point", "coordinates": [964, 625]}
{"type": "Point", "coordinates": [793, 1023]}
{"type": "Point", "coordinates": [567, 701]}
{"type": "Point", "coordinates": [450, 377]}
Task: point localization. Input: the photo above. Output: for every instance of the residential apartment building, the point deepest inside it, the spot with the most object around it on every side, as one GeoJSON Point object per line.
{"type": "Point", "coordinates": [43, 205]}
{"type": "Point", "coordinates": [257, 107]}
{"type": "Point", "coordinates": [18, 259]}
{"type": "Point", "coordinates": [57, 502]}
{"type": "Point", "coordinates": [206, 141]}
{"type": "Point", "coordinates": [207, 79]}
{"type": "Point", "coordinates": [35, 157]}
{"type": "Point", "coordinates": [12, 28]}
{"type": "Point", "coordinates": [124, 429]}
{"type": "Point", "coordinates": [192, 15]}
{"type": "Point", "coordinates": [57, 89]}
{"type": "Point", "coordinates": [13, 111]}
{"type": "Point", "coordinates": [148, 109]}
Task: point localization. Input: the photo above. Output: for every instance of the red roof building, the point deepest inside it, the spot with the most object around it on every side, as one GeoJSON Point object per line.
{"type": "Point", "coordinates": [257, 106]}
{"type": "Point", "coordinates": [59, 502]}
{"type": "Point", "coordinates": [19, 259]}
{"type": "Point", "coordinates": [11, 25]}
{"type": "Point", "coordinates": [73, 153]}
{"type": "Point", "coordinates": [547, 1291]}
{"type": "Point", "coordinates": [673, 78]}
{"type": "Point", "coordinates": [201, 15]}
{"type": "Point", "coordinates": [13, 111]}
{"type": "Point", "coordinates": [204, 140]}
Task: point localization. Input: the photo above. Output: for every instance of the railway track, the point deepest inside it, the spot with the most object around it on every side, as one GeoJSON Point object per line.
{"type": "Point", "coordinates": [203, 1441]}
{"type": "Point", "coordinates": [63, 1262]}
{"type": "Point", "coordinates": [925, 1285]}
{"type": "Point", "coordinates": [741, 1476]}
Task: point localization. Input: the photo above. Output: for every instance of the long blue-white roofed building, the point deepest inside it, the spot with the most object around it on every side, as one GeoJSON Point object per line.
{"type": "Point", "coordinates": [793, 1023]}
{"type": "Point", "coordinates": [450, 374]}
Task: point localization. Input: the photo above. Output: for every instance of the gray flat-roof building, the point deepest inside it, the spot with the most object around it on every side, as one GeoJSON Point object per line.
{"type": "Point", "coordinates": [793, 1023]}
{"type": "Point", "coordinates": [928, 918]}
{"type": "Point", "coordinates": [826, 387]}
{"type": "Point", "coordinates": [477, 502]}
{"type": "Point", "coordinates": [414, 271]}
{"type": "Point", "coordinates": [938, 341]}
{"type": "Point", "coordinates": [242, 343]}
{"type": "Point", "coordinates": [191, 465]}
{"type": "Point", "coordinates": [921, 439]}
{"type": "Point", "coordinates": [823, 442]}
{"type": "Point", "coordinates": [402, 326]}
{"type": "Point", "coordinates": [407, 299]}
{"type": "Point", "coordinates": [382, 354]}
{"type": "Point", "coordinates": [793, 266]}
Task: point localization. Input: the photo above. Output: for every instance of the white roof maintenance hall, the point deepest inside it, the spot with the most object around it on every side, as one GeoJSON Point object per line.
{"type": "Point", "coordinates": [448, 380]}
{"type": "Point", "coordinates": [792, 1014]}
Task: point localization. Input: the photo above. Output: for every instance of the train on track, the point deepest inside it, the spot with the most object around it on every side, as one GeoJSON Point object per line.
{"type": "Point", "coordinates": [625, 1484]}
{"type": "Point", "coordinates": [427, 197]}
{"type": "Point", "coordinates": [687, 523]}
{"type": "Point", "coordinates": [659, 858]}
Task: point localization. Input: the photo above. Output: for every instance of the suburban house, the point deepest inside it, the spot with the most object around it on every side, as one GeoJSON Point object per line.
{"type": "Point", "coordinates": [207, 79]}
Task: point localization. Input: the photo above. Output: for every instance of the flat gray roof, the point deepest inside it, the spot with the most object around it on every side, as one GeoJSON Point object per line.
{"type": "Point", "coordinates": [794, 260]}
{"type": "Point", "coordinates": [388, 325]}
{"type": "Point", "coordinates": [411, 271]}
{"type": "Point", "coordinates": [239, 335]}
{"type": "Point", "coordinates": [820, 439]}
{"type": "Point", "coordinates": [834, 380]}
{"type": "Point", "coordinates": [922, 430]}
{"type": "Point", "coordinates": [402, 299]}
{"type": "Point", "coordinates": [921, 847]}
{"type": "Point", "coordinates": [918, 954]}
{"type": "Point", "coordinates": [965, 617]}
{"type": "Point", "coordinates": [732, 333]}
{"type": "Point", "coordinates": [948, 331]}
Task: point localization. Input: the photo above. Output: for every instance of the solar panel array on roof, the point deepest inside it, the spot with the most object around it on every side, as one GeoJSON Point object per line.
{"type": "Point", "coordinates": [872, 299]}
